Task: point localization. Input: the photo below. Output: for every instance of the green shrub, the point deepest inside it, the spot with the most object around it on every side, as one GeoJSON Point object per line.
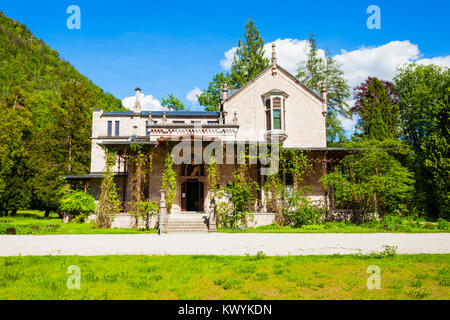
{"type": "Point", "coordinates": [305, 215]}
{"type": "Point", "coordinates": [443, 224]}
{"type": "Point", "coordinates": [77, 203]}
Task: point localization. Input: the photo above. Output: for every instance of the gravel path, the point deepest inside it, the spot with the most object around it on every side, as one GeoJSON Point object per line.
{"type": "Point", "coordinates": [222, 244]}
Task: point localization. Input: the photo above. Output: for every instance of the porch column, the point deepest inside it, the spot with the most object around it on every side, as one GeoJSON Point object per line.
{"type": "Point", "coordinates": [212, 217]}
{"type": "Point", "coordinates": [162, 214]}
{"type": "Point", "coordinates": [324, 173]}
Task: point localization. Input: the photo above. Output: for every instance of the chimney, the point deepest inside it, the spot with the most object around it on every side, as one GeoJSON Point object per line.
{"type": "Point", "coordinates": [224, 88]}
{"type": "Point", "coordinates": [325, 100]}
{"type": "Point", "coordinates": [137, 105]}
{"type": "Point", "coordinates": [274, 59]}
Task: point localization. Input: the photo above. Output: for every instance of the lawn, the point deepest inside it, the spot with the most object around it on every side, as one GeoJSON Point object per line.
{"type": "Point", "coordinates": [223, 277]}
{"type": "Point", "coordinates": [394, 225]}
{"type": "Point", "coordinates": [32, 222]}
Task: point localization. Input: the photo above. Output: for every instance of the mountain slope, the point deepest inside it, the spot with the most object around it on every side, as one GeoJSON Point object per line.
{"type": "Point", "coordinates": [45, 119]}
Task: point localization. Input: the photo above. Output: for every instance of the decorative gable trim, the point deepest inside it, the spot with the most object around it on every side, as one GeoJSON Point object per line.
{"type": "Point", "coordinates": [287, 73]}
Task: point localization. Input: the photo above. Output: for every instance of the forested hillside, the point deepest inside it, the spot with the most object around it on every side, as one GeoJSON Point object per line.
{"type": "Point", "coordinates": [45, 119]}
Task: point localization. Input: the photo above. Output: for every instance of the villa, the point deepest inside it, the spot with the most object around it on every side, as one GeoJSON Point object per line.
{"type": "Point", "coordinates": [274, 106]}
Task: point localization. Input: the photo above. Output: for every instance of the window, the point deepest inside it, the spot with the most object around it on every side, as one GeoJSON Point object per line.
{"type": "Point", "coordinates": [213, 122]}
{"type": "Point", "coordinates": [109, 128]}
{"type": "Point", "coordinates": [196, 122]}
{"type": "Point", "coordinates": [277, 119]}
{"type": "Point", "coordinates": [147, 133]}
{"type": "Point", "coordinates": [117, 128]}
{"type": "Point", "coordinates": [178, 122]}
{"type": "Point", "coordinates": [275, 113]}
{"type": "Point", "coordinates": [268, 115]}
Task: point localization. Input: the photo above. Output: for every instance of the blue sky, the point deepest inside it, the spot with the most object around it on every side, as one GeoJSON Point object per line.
{"type": "Point", "coordinates": [176, 46]}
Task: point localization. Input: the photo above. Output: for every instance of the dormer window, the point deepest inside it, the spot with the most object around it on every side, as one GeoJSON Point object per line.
{"type": "Point", "coordinates": [275, 119]}
{"type": "Point", "coordinates": [275, 109]}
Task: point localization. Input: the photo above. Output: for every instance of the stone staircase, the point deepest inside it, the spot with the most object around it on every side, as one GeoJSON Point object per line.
{"type": "Point", "coordinates": [187, 222]}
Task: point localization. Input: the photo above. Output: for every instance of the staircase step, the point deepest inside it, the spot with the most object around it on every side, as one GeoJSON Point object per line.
{"type": "Point", "coordinates": [187, 222]}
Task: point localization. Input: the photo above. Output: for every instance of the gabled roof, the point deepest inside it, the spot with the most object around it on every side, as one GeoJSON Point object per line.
{"type": "Point", "coordinates": [287, 73]}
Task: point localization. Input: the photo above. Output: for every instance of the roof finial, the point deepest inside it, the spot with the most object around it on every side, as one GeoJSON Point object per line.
{"type": "Point", "coordinates": [274, 53]}
{"type": "Point", "coordinates": [274, 59]}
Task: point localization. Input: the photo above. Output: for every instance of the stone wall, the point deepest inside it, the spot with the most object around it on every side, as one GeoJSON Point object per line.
{"type": "Point", "coordinates": [126, 221]}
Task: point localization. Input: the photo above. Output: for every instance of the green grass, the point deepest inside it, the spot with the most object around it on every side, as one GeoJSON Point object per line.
{"type": "Point", "coordinates": [403, 226]}
{"type": "Point", "coordinates": [34, 223]}
{"type": "Point", "coordinates": [224, 277]}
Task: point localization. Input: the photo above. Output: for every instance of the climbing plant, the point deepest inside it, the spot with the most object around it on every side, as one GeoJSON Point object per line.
{"type": "Point", "coordinates": [141, 160]}
{"type": "Point", "coordinates": [169, 181]}
{"type": "Point", "coordinates": [241, 194]}
{"type": "Point", "coordinates": [284, 202]}
{"type": "Point", "coordinates": [109, 203]}
{"type": "Point", "coordinates": [211, 178]}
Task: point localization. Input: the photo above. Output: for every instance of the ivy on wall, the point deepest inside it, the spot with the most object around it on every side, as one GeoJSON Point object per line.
{"type": "Point", "coordinates": [142, 161]}
{"type": "Point", "coordinates": [109, 204]}
{"type": "Point", "coordinates": [169, 181]}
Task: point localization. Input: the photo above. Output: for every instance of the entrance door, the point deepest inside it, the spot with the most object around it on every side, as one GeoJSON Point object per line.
{"type": "Point", "coordinates": [192, 196]}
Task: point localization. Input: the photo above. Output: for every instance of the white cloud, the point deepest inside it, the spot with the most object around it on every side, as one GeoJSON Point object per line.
{"type": "Point", "coordinates": [148, 103]}
{"type": "Point", "coordinates": [442, 61]}
{"type": "Point", "coordinates": [380, 62]}
{"type": "Point", "coordinates": [290, 52]}
{"type": "Point", "coordinates": [229, 56]}
{"type": "Point", "coordinates": [192, 95]}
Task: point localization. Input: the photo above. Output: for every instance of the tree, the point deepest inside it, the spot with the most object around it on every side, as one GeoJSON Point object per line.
{"type": "Point", "coordinates": [15, 119]}
{"type": "Point", "coordinates": [210, 98]}
{"type": "Point", "coordinates": [249, 60]}
{"type": "Point", "coordinates": [378, 109]}
{"type": "Point", "coordinates": [318, 73]}
{"type": "Point", "coordinates": [371, 179]}
{"type": "Point", "coordinates": [171, 101]}
{"type": "Point", "coordinates": [425, 114]}
{"type": "Point", "coordinates": [59, 115]}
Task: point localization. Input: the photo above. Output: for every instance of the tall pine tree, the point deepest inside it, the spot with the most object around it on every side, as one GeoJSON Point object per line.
{"type": "Point", "coordinates": [318, 73]}
{"type": "Point", "coordinates": [248, 62]}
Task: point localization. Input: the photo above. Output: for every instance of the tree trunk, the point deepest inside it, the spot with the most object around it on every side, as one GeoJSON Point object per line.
{"type": "Point", "coordinates": [47, 213]}
{"type": "Point", "coordinates": [69, 166]}
{"type": "Point", "coordinates": [13, 212]}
